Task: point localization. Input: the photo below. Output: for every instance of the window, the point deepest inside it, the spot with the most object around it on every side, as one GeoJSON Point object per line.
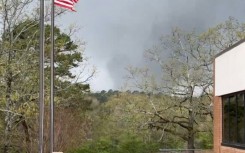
{"type": "Point", "coordinates": [234, 119]}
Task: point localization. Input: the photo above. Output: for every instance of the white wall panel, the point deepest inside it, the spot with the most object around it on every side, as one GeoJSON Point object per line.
{"type": "Point", "coordinates": [230, 71]}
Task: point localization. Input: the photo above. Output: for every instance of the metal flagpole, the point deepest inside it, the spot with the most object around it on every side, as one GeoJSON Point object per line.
{"type": "Point", "coordinates": [52, 80]}
{"type": "Point", "coordinates": [41, 77]}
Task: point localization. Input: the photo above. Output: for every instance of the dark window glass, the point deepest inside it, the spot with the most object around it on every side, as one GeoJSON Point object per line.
{"type": "Point", "coordinates": [233, 120]}
{"type": "Point", "coordinates": [225, 119]}
{"type": "Point", "coordinates": [240, 118]}
{"type": "Point", "coordinates": [233, 106]}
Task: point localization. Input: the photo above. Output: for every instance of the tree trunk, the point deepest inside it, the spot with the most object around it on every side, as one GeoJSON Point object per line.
{"type": "Point", "coordinates": [190, 142]}
{"type": "Point", "coordinates": [27, 134]}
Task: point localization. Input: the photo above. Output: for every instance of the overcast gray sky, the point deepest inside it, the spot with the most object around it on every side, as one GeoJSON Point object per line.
{"type": "Point", "coordinates": [118, 32]}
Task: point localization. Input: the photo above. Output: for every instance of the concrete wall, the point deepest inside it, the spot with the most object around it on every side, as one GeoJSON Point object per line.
{"type": "Point", "coordinates": [230, 150]}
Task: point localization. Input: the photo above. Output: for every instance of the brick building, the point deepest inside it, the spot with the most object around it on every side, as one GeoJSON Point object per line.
{"type": "Point", "coordinates": [229, 100]}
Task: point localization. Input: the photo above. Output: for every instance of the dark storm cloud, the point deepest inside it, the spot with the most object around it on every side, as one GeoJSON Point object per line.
{"type": "Point", "coordinates": [119, 31]}
{"type": "Point", "coordinates": [161, 17]}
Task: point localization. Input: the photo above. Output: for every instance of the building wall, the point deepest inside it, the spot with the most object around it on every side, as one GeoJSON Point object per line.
{"type": "Point", "coordinates": [229, 77]}
{"type": "Point", "coordinates": [230, 150]}
{"type": "Point", "coordinates": [217, 129]}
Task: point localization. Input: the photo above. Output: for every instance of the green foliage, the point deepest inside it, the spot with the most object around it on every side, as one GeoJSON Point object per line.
{"type": "Point", "coordinates": [19, 75]}
{"type": "Point", "coordinates": [121, 115]}
{"type": "Point", "coordinates": [133, 144]}
{"type": "Point", "coordinates": [172, 142]}
{"type": "Point", "coordinates": [104, 96]}
{"type": "Point", "coordinates": [125, 144]}
{"type": "Point", "coordinates": [204, 140]}
{"type": "Point", "coordinates": [72, 95]}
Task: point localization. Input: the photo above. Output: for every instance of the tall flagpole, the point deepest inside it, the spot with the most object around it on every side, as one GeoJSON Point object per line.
{"type": "Point", "coordinates": [52, 80]}
{"type": "Point", "coordinates": [41, 77]}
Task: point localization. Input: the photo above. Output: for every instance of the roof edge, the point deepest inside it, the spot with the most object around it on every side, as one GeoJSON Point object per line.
{"type": "Point", "coordinates": [229, 48]}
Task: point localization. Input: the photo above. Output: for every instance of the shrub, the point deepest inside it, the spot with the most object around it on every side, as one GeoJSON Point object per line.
{"type": "Point", "coordinates": [129, 144]}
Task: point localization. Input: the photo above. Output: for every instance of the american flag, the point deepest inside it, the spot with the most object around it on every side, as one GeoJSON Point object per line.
{"type": "Point", "coordinates": [68, 4]}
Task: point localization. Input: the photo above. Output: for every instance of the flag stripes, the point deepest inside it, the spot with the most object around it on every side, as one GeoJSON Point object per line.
{"type": "Point", "coordinates": [68, 4]}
